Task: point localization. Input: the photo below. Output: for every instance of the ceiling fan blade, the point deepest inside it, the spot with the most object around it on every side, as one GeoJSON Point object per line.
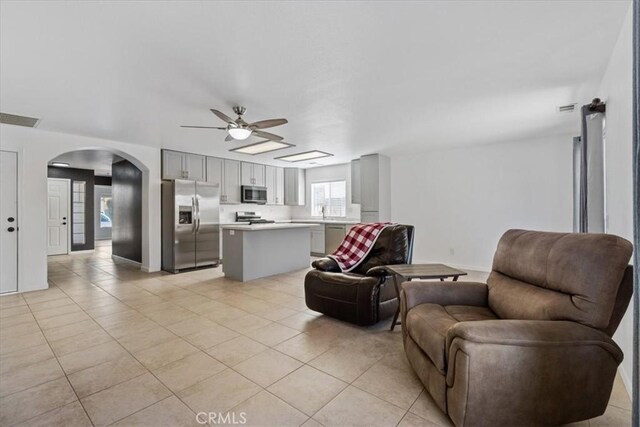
{"type": "Point", "coordinates": [203, 127]}
{"type": "Point", "coordinates": [229, 138]}
{"type": "Point", "coordinates": [224, 117]}
{"type": "Point", "coordinates": [267, 135]}
{"type": "Point", "coordinates": [264, 124]}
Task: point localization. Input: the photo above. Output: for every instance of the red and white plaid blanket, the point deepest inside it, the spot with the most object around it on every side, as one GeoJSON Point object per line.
{"type": "Point", "coordinates": [357, 244]}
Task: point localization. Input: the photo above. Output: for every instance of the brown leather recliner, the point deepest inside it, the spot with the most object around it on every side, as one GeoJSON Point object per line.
{"type": "Point", "coordinates": [361, 296]}
{"type": "Point", "coordinates": [533, 345]}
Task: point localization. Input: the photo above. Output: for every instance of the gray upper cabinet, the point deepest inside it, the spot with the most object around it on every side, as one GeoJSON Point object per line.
{"type": "Point", "coordinates": [178, 165]}
{"type": "Point", "coordinates": [275, 185]}
{"type": "Point", "coordinates": [196, 168]}
{"type": "Point", "coordinates": [215, 169]}
{"type": "Point", "coordinates": [355, 181]}
{"type": "Point", "coordinates": [226, 173]}
{"type": "Point", "coordinates": [270, 172]}
{"type": "Point", "coordinates": [172, 165]}
{"type": "Point", "coordinates": [369, 172]}
{"type": "Point", "coordinates": [253, 174]}
{"type": "Point", "coordinates": [259, 175]}
{"type": "Point", "coordinates": [231, 181]}
{"type": "Point", "coordinates": [375, 191]}
{"type": "Point", "coordinates": [247, 173]}
{"type": "Point", "coordinates": [279, 186]}
{"type": "Point", "coordinates": [294, 187]}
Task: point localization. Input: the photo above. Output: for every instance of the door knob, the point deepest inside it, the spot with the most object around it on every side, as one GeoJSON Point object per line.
{"type": "Point", "coordinates": [11, 229]}
{"type": "Point", "coordinates": [11, 219]}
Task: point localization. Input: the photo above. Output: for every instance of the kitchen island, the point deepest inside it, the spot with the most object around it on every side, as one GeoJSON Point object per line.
{"type": "Point", "coordinates": [261, 250]}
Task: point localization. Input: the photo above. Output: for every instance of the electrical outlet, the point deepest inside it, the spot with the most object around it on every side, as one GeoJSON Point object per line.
{"type": "Point", "coordinates": [452, 251]}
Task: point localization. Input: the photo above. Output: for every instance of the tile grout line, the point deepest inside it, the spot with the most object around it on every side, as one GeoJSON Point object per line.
{"type": "Point", "coordinates": [61, 368]}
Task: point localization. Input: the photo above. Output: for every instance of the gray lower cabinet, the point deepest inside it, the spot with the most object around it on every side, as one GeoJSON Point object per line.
{"type": "Point", "coordinates": [179, 165]}
{"type": "Point", "coordinates": [294, 187]}
{"type": "Point", "coordinates": [226, 173]}
{"type": "Point", "coordinates": [333, 236]}
{"type": "Point", "coordinates": [317, 240]}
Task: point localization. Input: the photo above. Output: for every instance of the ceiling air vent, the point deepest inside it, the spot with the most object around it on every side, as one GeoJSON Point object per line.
{"type": "Point", "coordinates": [12, 119]}
{"type": "Point", "coordinates": [567, 108]}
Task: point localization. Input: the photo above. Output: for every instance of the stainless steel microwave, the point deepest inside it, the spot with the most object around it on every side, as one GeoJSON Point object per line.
{"type": "Point", "coordinates": [254, 194]}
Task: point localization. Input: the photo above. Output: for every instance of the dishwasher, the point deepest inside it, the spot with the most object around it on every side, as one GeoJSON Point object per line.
{"type": "Point", "coordinates": [333, 235]}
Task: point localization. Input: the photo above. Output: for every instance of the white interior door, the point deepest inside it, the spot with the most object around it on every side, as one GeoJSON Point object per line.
{"type": "Point", "coordinates": [58, 216]}
{"type": "Point", "coordinates": [9, 221]}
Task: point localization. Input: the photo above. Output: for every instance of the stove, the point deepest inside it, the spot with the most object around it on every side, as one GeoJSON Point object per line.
{"type": "Point", "coordinates": [261, 221]}
{"type": "Point", "coordinates": [252, 218]}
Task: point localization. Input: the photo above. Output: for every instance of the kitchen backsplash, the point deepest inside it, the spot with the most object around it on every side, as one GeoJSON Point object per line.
{"type": "Point", "coordinates": [228, 212]}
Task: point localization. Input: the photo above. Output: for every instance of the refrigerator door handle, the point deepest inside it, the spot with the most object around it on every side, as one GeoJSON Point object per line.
{"type": "Point", "coordinates": [197, 214]}
{"type": "Point", "coordinates": [194, 215]}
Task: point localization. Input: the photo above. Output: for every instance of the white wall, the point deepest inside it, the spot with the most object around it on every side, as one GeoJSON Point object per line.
{"type": "Point", "coordinates": [35, 149]}
{"type": "Point", "coordinates": [462, 200]}
{"type": "Point", "coordinates": [616, 90]}
{"type": "Point", "coordinates": [324, 174]}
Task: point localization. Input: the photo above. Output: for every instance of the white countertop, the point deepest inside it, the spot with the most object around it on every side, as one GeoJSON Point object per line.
{"type": "Point", "coordinates": [261, 227]}
{"type": "Point", "coordinates": [326, 221]}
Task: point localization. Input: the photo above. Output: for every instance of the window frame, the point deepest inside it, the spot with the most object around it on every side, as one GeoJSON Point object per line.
{"type": "Point", "coordinates": [311, 198]}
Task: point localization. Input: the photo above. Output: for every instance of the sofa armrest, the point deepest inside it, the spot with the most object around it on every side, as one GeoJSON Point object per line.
{"type": "Point", "coordinates": [419, 292]}
{"type": "Point", "coordinates": [379, 271]}
{"type": "Point", "coordinates": [326, 264]}
{"type": "Point", "coordinates": [554, 372]}
{"type": "Point", "coordinates": [533, 333]}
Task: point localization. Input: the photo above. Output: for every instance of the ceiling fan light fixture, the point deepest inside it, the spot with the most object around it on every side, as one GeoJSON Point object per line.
{"type": "Point", "coordinates": [239, 133]}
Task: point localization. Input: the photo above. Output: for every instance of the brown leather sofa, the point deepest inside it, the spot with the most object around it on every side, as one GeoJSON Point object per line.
{"type": "Point", "coordinates": [533, 345]}
{"type": "Point", "coordinates": [361, 296]}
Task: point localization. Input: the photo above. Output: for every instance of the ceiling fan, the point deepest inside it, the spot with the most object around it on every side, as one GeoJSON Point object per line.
{"type": "Point", "coordinates": [240, 130]}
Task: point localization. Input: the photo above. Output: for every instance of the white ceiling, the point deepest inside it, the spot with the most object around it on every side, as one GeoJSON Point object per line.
{"type": "Point", "coordinates": [351, 77]}
{"type": "Point", "coordinates": [98, 160]}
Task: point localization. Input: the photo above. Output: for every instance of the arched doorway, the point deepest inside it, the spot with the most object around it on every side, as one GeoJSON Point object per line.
{"type": "Point", "coordinates": [108, 190]}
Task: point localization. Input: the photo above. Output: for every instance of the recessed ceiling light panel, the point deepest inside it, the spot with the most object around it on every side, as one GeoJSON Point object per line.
{"type": "Point", "coordinates": [262, 147]}
{"type": "Point", "coordinates": [60, 164]}
{"type": "Point", "coordinates": [307, 155]}
{"type": "Point", "coordinates": [12, 119]}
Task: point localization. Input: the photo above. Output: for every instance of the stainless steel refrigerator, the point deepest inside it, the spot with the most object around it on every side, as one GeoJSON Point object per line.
{"type": "Point", "coordinates": [190, 225]}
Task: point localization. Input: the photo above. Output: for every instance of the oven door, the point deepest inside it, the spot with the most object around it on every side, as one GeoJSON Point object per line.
{"type": "Point", "coordinates": [253, 194]}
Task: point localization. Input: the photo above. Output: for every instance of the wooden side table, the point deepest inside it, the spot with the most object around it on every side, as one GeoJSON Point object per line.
{"type": "Point", "coordinates": [419, 271]}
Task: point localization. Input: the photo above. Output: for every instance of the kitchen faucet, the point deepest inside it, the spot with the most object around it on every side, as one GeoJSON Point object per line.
{"type": "Point", "coordinates": [323, 210]}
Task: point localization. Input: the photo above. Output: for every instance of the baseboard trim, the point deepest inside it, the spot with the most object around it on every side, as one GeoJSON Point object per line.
{"type": "Point", "coordinates": [626, 380]}
{"type": "Point", "coordinates": [86, 251]}
{"type": "Point", "coordinates": [126, 260]}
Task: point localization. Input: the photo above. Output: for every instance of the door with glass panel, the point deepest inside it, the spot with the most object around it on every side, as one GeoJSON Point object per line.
{"type": "Point", "coordinates": [103, 212]}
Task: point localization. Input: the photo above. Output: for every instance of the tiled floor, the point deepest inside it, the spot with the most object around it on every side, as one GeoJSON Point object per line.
{"type": "Point", "coordinates": [108, 344]}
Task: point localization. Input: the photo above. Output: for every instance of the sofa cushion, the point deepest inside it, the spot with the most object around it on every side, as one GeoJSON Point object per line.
{"type": "Point", "coordinates": [558, 276]}
{"type": "Point", "coordinates": [428, 325]}
{"type": "Point", "coordinates": [391, 247]}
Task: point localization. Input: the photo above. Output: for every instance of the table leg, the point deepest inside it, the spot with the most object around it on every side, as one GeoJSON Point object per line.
{"type": "Point", "coordinates": [395, 316]}
{"type": "Point", "coordinates": [455, 278]}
